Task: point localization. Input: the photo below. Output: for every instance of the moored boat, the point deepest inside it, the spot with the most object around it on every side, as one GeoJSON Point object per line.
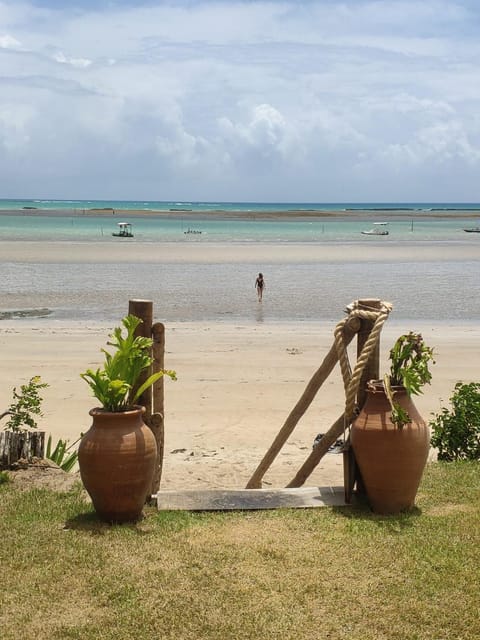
{"type": "Point", "coordinates": [377, 230]}
{"type": "Point", "coordinates": [124, 230]}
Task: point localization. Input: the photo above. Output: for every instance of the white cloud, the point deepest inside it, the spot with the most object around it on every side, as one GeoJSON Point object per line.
{"type": "Point", "coordinates": [439, 143]}
{"type": "Point", "coordinates": [8, 42]}
{"type": "Point", "coordinates": [74, 62]}
{"type": "Point", "coordinates": [300, 101]}
{"type": "Point", "coordinates": [265, 130]}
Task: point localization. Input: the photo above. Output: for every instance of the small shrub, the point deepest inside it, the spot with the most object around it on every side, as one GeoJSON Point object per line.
{"type": "Point", "coordinates": [456, 431]}
{"type": "Point", "coordinates": [25, 406]}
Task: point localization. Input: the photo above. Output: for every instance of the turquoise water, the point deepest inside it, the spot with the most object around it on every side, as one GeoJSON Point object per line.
{"type": "Point", "coordinates": [190, 291]}
{"type": "Point", "coordinates": [79, 228]}
{"type": "Point", "coordinates": [154, 205]}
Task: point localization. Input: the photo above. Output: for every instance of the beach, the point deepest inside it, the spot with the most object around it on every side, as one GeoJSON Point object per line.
{"type": "Point", "coordinates": [241, 365]}
{"type": "Point", "coordinates": [236, 386]}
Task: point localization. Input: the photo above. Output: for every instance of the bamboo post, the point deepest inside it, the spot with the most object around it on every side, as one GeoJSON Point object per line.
{"type": "Point", "coordinates": [158, 399]}
{"type": "Point", "coordinates": [302, 405]}
{"type": "Point", "coordinates": [143, 309]}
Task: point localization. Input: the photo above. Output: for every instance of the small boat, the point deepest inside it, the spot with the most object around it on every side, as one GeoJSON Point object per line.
{"type": "Point", "coordinates": [124, 230]}
{"type": "Point", "coordinates": [197, 231]}
{"type": "Point", "coordinates": [473, 230]}
{"type": "Point", "coordinates": [378, 230]}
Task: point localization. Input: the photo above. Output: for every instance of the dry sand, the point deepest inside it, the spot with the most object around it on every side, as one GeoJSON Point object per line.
{"type": "Point", "coordinates": [236, 386]}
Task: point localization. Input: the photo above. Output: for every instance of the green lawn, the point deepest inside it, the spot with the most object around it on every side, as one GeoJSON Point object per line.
{"type": "Point", "coordinates": [287, 574]}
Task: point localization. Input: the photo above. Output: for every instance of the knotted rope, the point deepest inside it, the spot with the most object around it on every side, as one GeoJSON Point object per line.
{"type": "Point", "coordinates": [351, 380]}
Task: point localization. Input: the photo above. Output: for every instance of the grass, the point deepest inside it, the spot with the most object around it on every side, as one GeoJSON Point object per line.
{"type": "Point", "coordinates": [304, 574]}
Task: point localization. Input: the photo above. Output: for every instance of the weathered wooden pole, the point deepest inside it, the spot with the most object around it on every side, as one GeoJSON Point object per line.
{"type": "Point", "coordinates": [20, 445]}
{"type": "Point", "coordinates": [143, 309]}
{"type": "Point", "coordinates": [365, 327]}
{"type": "Point", "coordinates": [157, 422]}
{"type": "Point", "coordinates": [318, 378]}
{"type": "Point", "coordinates": [371, 370]}
{"type": "Point", "coordinates": [351, 472]}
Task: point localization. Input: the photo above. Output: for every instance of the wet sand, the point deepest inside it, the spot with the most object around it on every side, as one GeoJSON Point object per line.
{"type": "Point", "coordinates": [217, 252]}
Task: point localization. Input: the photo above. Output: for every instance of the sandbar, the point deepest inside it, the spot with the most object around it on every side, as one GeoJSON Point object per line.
{"type": "Point", "coordinates": [20, 251]}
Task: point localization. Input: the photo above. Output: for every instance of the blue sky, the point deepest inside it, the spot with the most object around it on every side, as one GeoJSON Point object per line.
{"type": "Point", "coordinates": [320, 101]}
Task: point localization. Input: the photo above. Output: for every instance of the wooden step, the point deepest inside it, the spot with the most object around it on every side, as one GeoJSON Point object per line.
{"type": "Point", "coordinates": [246, 499]}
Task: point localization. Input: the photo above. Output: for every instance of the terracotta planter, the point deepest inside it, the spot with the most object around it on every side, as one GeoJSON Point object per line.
{"type": "Point", "coordinates": [117, 460]}
{"type": "Point", "coordinates": [391, 459]}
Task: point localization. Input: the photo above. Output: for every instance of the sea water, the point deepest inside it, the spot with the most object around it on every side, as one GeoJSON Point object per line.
{"type": "Point", "coordinates": [198, 207]}
{"type": "Point", "coordinates": [433, 291]}
{"type": "Point", "coordinates": [175, 228]}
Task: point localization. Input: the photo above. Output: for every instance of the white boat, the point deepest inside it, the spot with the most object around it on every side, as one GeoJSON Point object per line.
{"type": "Point", "coordinates": [124, 230]}
{"type": "Point", "coordinates": [473, 230]}
{"type": "Point", "coordinates": [378, 229]}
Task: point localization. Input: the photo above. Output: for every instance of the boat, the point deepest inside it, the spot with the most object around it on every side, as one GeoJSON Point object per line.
{"type": "Point", "coordinates": [192, 231]}
{"type": "Point", "coordinates": [377, 230]}
{"type": "Point", "coordinates": [124, 230]}
{"type": "Point", "coordinates": [473, 230]}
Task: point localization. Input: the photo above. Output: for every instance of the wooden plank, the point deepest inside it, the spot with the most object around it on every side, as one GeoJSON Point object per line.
{"type": "Point", "coordinates": [249, 499]}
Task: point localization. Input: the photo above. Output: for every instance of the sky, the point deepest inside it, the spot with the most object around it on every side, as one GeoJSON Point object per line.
{"type": "Point", "coordinates": [280, 101]}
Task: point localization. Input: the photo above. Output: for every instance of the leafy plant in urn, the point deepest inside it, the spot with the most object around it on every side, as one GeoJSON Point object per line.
{"type": "Point", "coordinates": [410, 358]}
{"type": "Point", "coordinates": [118, 454]}
{"type": "Point", "coordinates": [115, 385]}
{"type": "Point", "coordinates": [389, 437]}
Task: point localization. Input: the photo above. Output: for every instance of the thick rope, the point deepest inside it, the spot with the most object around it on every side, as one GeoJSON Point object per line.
{"type": "Point", "coordinates": [351, 380]}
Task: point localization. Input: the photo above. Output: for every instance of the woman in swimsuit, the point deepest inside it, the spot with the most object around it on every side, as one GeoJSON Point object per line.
{"type": "Point", "coordinates": [259, 286]}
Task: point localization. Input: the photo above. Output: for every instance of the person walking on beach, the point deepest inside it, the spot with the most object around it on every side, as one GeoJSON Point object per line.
{"type": "Point", "coordinates": [260, 286]}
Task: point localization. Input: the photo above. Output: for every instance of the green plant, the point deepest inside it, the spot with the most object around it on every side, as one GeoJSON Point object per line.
{"type": "Point", "coordinates": [410, 358]}
{"type": "Point", "coordinates": [4, 477]}
{"type": "Point", "coordinates": [60, 454]}
{"type": "Point", "coordinates": [456, 432]}
{"type": "Point", "coordinates": [25, 406]}
{"type": "Point", "coordinates": [115, 385]}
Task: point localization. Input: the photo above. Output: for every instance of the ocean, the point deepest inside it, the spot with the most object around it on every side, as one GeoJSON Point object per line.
{"type": "Point", "coordinates": [199, 207]}
{"type": "Point", "coordinates": [443, 290]}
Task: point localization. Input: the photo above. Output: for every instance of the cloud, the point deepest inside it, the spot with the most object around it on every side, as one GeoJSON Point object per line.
{"type": "Point", "coordinates": [265, 131]}
{"type": "Point", "coordinates": [7, 42]}
{"type": "Point", "coordinates": [242, 100]}
{"type": "Point", "coordinates": [81, 63]}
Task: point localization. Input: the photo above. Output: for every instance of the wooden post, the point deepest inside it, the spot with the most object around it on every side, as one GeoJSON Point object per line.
{"type": "Point", "coordinates": [20, 445]}
{"type": "Point", "coordinates": [371, 371]}
{"type": "Point", "coordinates": [351, 472]}
{"type": "Point", "coordinates": [143, 309]}
{"type": "Point", "coordinates": [302, 405]}
{"type": "Point", "coordinates": [157, 423]}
